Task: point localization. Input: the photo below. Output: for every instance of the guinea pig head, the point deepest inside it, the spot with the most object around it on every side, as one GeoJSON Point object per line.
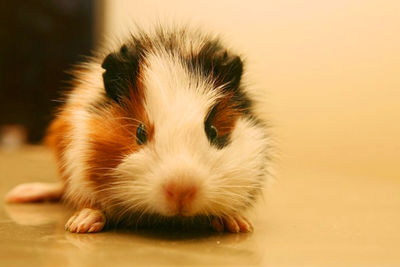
{"type": "Point", "coordinates": [177, 136]}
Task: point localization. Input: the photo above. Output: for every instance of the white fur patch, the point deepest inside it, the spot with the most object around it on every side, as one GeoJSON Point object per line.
{"type": "Point", "coordinates": [88, 91]}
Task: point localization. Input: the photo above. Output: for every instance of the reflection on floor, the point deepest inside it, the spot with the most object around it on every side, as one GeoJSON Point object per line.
{"type": "Point", "coordinates": [311, 216]}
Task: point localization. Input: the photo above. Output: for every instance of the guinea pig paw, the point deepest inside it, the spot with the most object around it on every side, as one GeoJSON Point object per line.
{"type": "Point", "coordinates": [86, 221]}
{"type": "Point", "coordinates": [35, 192]}
{"type": "Point", "coordinates": [233, 224]}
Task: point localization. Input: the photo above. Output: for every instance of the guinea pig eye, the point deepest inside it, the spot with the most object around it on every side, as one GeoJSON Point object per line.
{"type": "Point", "coordinates": [211, 132]}
{"type": "Point", "coordinates": [141, 134]}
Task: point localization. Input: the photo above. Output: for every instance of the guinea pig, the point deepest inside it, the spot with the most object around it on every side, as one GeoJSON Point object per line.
{"type": "Point", "coordinates": [161, 126]}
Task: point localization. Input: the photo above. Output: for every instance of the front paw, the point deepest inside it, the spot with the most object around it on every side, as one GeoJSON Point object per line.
{"type": "Point", "coordinates": [86, 221]}
{"type": "Point", "coordinates": [233, 224]}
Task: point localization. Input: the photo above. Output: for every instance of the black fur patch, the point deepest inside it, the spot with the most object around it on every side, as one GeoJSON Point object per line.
{"type": "Point", "coordinates": [214, 60]}
{"type": "Point", "coordinates": [226, 69]}
{"type": "Point", "coordinates": [121, 71]}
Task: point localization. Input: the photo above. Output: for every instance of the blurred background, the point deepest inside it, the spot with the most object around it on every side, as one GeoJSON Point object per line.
{"type": "Point", "coordinates": [330, 68]}
{"type": "Point", "coordinates": [40, 40]}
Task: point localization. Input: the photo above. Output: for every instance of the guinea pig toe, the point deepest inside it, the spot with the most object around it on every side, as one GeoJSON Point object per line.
{"type": "Point", "coordinates": [244, 224]}
{"type": "Point", "coordinates": [217, 224]}
{"type": "Point", "coordinates": [86, 221]}
{"type": "Point", "coordinates": [233, 224]}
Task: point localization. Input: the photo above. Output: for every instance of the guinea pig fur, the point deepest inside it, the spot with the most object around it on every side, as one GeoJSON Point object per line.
{"type": "Point", "coordinates": [162, 126]}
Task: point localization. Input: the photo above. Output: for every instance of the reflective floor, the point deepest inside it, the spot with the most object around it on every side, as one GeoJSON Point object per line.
{"type": "Point", "coordinates": [312, 215]}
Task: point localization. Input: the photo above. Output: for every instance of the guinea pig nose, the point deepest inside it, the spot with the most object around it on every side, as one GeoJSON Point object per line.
{"type": "Point", "coordinates": [179, 196]}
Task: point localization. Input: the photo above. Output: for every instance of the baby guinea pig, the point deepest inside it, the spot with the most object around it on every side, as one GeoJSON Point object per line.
{"type": "Point", "coordinates": [162, 126]}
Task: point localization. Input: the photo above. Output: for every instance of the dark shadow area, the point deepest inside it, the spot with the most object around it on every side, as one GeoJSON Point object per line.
{"type": "Point", "coordinates": [40, 40]}
{"type": "Point", "coordinates": [172, 229]}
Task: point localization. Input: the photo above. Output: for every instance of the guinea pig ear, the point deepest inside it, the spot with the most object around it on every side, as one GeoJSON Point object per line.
{"type": "Point", "coordinates": [226, 68]}
{"type": "Point", "coordinates": [121, 71]}
{"type": "Point", "coordinates": [229, 69]}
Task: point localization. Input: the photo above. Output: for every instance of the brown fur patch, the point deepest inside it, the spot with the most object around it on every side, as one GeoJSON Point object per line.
{"type": "Point", "coordinates": [226, 115]}
{"type": "Point", "coordinates": [58, 138]}
{"type": "Point", "coordinates": [112, 136]}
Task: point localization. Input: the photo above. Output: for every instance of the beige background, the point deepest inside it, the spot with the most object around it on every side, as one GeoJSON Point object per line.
{"type": "Point", "coordinates": [330, 70]}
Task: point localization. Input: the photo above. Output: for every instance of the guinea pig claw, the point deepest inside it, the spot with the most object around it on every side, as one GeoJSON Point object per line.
{"type": "Point", "coordinates": [244, 224]}
{"type": "Point", "coordinates": [232, 224]}
{"type": "Point", "coordinates": [86, 221]}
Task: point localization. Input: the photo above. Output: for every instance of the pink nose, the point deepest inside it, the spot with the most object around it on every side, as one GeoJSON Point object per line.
{"type": "Point", "coordinates": [180, 196]}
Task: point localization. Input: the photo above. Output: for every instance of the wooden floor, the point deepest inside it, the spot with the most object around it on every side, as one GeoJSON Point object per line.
{"type": "Point", "coordinates": [313, 215]}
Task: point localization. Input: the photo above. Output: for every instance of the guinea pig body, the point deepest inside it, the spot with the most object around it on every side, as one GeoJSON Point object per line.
{"type": "Point", "coordinates": [161, 126]}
